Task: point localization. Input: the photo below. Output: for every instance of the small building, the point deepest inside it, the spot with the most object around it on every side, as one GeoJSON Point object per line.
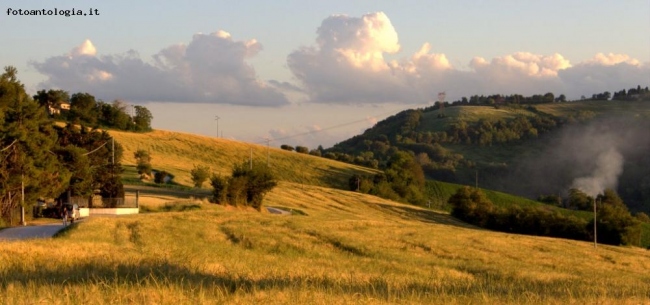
{"type": "Point", "coordinates": [56, 109]}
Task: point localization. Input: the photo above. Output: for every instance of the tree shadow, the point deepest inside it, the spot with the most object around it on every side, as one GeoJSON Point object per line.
{"type": "Point", "coordinates": [163, 274]}
{"type": "Point", "coordinates": [160, 272]}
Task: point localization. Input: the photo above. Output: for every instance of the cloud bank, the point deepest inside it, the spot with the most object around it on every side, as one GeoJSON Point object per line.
{"type": "Point", "coordinates": [347, 64]}
{"type": "Point", "coordinates": [212, 68]}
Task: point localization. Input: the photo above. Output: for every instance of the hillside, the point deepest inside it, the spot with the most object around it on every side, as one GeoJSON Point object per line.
{"type": "Point", "coordinates": [339, 248]}
{"type": "Point", "coordinates": [515, 148]}
{"type": "Point", "coordinates": [177, 153]}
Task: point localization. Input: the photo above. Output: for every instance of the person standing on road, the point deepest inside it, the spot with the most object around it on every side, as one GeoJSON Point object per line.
{"type": "Point", "coordinates": [64, 215]}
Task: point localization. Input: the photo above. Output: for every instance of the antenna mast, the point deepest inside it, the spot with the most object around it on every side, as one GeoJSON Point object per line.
{"type": "Point", "coordinates": [441, 102]}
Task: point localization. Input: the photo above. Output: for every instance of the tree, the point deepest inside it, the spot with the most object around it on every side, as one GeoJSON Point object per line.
{"type": "Point", "coordinates": [143, 160]}
{"type": "Point", "coordinates": [83, 109]}
{"type": "Point", "coordinates": [578, 200]}
{"type": "Point", "coordinates": [286, 147]}
{"type": "Point", "coordinates": [199, 175]}
{"type": "Point", "coordinates": [114, 115]}
{"type": "Point", "coordinates": [27, 141]}
{"type": "Point", "coordinates": [471, 205]}
{"type": "Point", "coordinates": [104, 157]}
{"type": "Point", "coordinates": [77, 163]}
{"type": "Point", "coordinates": [615, 224]}
{"type": "Point", "coordinates": [246, 186]}
{"type": "Point", "coordinates": [142, 119]}
{"type": "Point", "coordinates": [406, 177]}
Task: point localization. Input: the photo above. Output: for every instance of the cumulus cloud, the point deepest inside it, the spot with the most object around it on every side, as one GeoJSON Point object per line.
{"type": "Point", "coordinates": [347, 65]}
{"type": "Point", "coordinates": [211, 68]}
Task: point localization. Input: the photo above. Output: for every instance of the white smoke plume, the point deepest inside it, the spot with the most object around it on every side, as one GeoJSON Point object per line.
{"type": "Point", "coordinates": [609, 166]}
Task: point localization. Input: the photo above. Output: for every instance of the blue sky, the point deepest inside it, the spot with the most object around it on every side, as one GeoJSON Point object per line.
{"type": "Point", "coordinates": [286, 67]}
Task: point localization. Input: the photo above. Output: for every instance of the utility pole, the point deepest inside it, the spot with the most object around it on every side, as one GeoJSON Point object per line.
{"type": "Point", "coordinates": [267, 151]}
{"type": "Point", "coordinates": [216, 117]}
{"type": "Point", "coordinates": [595, 233]}
{"type": "Point", "coordinates": [251, 159]}
{"type": "Point", "coordinates": [22, 200]}
{"type": "Point", "coordinates": [113, 150]}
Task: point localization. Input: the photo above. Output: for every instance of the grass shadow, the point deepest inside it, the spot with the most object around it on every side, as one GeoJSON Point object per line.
{"type": "Point", "coordinates": [427, 216]}
{"type": "Point", "coordinates": [163, 274]}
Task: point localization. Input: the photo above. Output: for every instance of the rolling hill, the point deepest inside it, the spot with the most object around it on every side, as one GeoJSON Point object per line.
{"type": "Point", "coordinates": [339, 247]}
{"type": "Point", "coordinates": [528, 150]}
{"type": "Point", "coordinates": [177, 153]}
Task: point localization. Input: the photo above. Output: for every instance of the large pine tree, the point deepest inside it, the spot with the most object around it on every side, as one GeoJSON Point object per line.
{"type": "Point", "coordinates": [27, 141]}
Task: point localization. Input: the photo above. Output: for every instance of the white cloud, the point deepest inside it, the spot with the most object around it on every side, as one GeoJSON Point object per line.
{"type": "Point", "coordinates": [612, 59]}
{"type": "Point", "coordinates": [86, 48]}
{"type": "Point", "coordinates": [212, 68]}
{"type": "Point", "coordinates": [347, 66]}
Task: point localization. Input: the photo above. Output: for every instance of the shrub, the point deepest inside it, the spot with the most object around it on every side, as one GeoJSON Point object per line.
{"type": "Point", "coordinates": [286, 147]}
{"type": "Point", "coordinates": [199, 175]}
{"type": "Point", "coordinates": [143, 159]}
{"type": "Point", "coordinates": [302, 149]}
{"type": "Point", "coordinates": [247, 186]}
{"type": "Point", "coordinates": [642, 217]}
{"type": "Point", "coordinates": [219, 188]}
{"type": "Point", "coordinates": [160, 177]}
{"type": "Point", "coordinates": [315, 152]}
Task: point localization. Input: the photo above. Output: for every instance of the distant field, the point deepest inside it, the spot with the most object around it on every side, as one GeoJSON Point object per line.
{"type": "Point", "coordinates": [345, 248]}
{"type": "Point", "coordinates": [177, 153]}
{"type": "Point", "coordinates": [598, 107]}
{"type": "Point", "coordinates": [431, 122]}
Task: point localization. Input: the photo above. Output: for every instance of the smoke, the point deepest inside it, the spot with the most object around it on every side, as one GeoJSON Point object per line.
{"type": "Point", "coordinates": [609, 167]}
{"type": "Point", "coordinates": [601, 154]}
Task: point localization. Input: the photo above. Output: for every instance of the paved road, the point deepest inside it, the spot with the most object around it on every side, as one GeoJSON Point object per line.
{"type": "Point", "coordinates": [41, 231]}
{"type": "Point", "coordinates": [48, 230]}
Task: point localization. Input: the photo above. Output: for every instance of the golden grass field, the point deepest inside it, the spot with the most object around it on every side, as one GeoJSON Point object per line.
{"type": "Point", "coordinates": [338, 247]}
{"type": "Point", "coordinates": [177, 153]}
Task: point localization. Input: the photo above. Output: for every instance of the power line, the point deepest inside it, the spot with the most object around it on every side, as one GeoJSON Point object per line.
{"type": "Point", "coordinates": [322, 129]}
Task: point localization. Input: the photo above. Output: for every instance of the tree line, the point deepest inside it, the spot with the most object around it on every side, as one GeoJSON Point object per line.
{"type": "Point", "coordinates": [614, 223]}
{"type": "Point", "coordinates": [85, 109]}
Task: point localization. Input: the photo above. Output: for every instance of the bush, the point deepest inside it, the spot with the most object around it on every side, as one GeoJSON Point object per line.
{"type": "Point", "coordinates": [160, 177]}
{"type": "Point", "coordinates": [143, 159]}
{"type": "Point", "coordinates": [199, 175]}
{"type": "Point", "coordinates": [302, 149]}
{"type": "Point", "coordinates": [286, 147]}
{"type": "Point", "coordinates": [219, 188]}
{"type": "Point", "coordinates": [247, 186]}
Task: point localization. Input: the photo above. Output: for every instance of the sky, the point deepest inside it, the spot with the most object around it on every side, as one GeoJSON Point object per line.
{"type": "Point", "coordinates": [318, 72]}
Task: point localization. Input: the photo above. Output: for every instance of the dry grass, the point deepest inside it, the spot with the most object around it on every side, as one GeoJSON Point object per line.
{"type": "Point", "coordinates": [349, 248]}
{"type": "Point", "coordinates": [177, 153]}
